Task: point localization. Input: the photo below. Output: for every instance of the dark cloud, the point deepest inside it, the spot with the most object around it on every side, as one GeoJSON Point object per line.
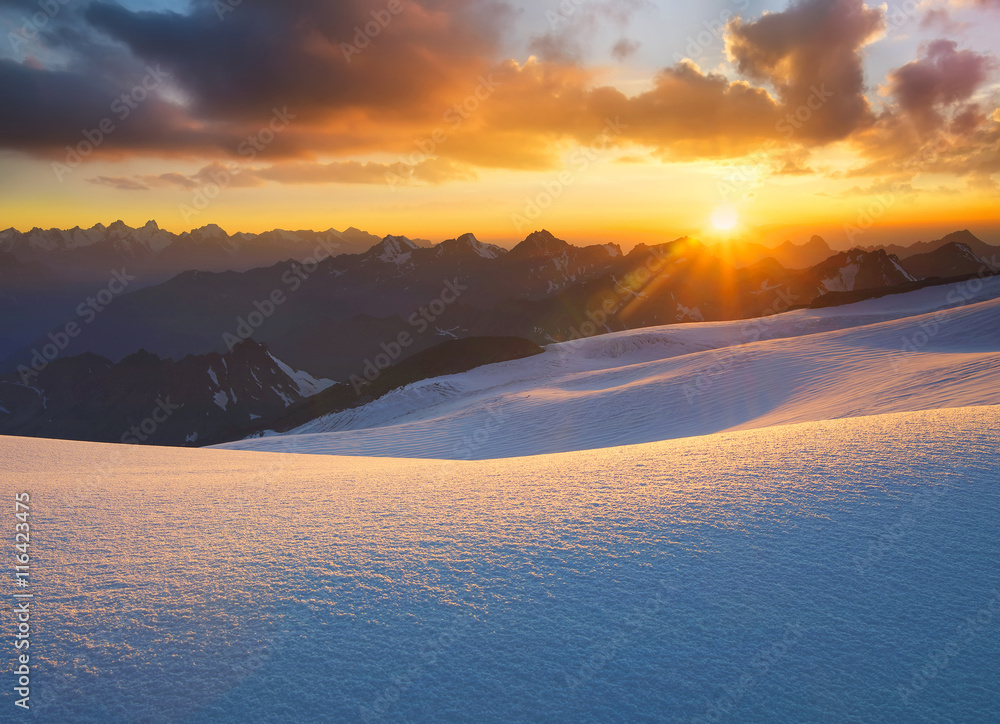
{"type": "Point", "coordinates": [45, 110]}
{"type": "Point", "coordinates": [299, 52]}
{"type": "Point", "coordinates": [926, 88]}
{"type": "Point", "coordinates": [624, 49]}
{"type": "Point", "coordinates": [812, 48]}
{"type": "Point", "coordinates": [323, 60]}
{"type": "Point", "coordinates": [354, 93]}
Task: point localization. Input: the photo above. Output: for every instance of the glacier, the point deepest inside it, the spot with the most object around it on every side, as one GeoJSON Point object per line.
{"type": "Point", "coordinates": [938, 347]}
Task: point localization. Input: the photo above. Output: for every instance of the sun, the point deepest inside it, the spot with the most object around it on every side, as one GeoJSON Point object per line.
{"type": "Point", "coordinates": [725, 218]}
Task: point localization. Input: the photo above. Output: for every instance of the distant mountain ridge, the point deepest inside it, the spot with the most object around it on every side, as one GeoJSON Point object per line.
{"type": "Point", "coordinates": [788, 254]}
{"type": "Point", "coordinates": [966, 237]}
{"type": "Point", "coordinates": [242, 350]}
{"type": "Point", "coordinates": [146, 399]}
{"type": "Point", "coordinates": [78, 255]}
{"type": "Point", "coordinates": [334, 311]}
{"type": "Point", "coordinates": [952, 259]}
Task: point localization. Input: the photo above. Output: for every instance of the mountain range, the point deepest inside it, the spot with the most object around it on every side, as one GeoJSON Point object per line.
{"type": "Point", "coordinates": [284, 332]}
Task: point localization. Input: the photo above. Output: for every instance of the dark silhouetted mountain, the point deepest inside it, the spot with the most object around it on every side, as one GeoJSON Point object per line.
{"type": "Point", "coordinates": [976, 245]}
{"type": "Point", "coordinates": [146, 399]}
{"type": "Point", "coordinates": [448, 358]}
{"type": "Point", "coordinates": [788, 254]}
{"type": "Point", "coordinates": [467, 245]}
{"type": "Point", "coordinates": [28, 275]}
{"type": "Point", "coordinates": [154, 255]}
{"type": "Point", "coordinates": [331, 317]}
{"type": "Point", "coordinates": [858, 269]}
{"type": "Point", "coordinates": [345, 315]}
{"type": "Point", "coordinates": [952, 259]}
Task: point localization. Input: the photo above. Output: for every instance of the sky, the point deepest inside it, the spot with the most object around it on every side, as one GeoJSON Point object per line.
{"type": "Point", "coordinates": [600, 120]}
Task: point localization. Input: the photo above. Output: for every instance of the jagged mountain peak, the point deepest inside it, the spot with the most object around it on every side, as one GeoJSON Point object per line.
{"type": "Point", "coordinates": [539, 244]}
{"type": "Point", "coordinates": [861, 269]}
{"type": "Point", "coordinates": [209, 231]}
{"type": "Point", "coordinates": [393, 249]}
{"type": "Point", "coordinates": [683, 245]}
{"type": "Point", "coordinates": [964, 236]}
{"type": "Point", "coordinates": [141, 357]}
{"type": "Point", "coordinates": [468, 244]}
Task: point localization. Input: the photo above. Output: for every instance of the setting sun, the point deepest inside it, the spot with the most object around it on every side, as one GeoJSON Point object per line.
{"type": "Point", "coordinates": [725, 218]}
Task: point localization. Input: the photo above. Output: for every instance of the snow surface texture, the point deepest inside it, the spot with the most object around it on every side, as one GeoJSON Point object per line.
{"type": "Point", "coordinates": [840, 571]}
{"type": "Point", "coordinates": [934, 348]}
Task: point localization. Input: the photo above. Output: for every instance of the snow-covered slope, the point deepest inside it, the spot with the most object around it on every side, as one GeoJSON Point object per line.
{"type": "Point", "coordinates": [933, 348]}
{"type": "Point", "coordinates": [839, 571]}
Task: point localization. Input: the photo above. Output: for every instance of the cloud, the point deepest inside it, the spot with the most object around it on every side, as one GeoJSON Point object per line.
{"type": "Point", "coordinates": [352, 91]}
{"type": "Point", "coordinates": [940, 19]}
{"type": "Point", "coordinates": [431, 90]}
{"type": "Point", "coordinates": [812, 47]}
{"type": "Point", "coordinates": [935, 125]}
{"type": "Point", "coordinates": [575, 24]}
{"type": "Point", "coordinates": [977, 3]}
{"type": "Point", "coordinates": [944, 76]}
{"type": "Point", "coordinates": [122, 183]}
{"type": "Point", "coordinates": [314, 55]}
{"type": "Point", "coordinates": [624, 49]}
{"type": "Point", "coordinates": [429, 172]}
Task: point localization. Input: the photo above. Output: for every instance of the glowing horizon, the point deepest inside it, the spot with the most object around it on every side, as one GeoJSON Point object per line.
{"type": "Point", "coordinates": [624, 122]}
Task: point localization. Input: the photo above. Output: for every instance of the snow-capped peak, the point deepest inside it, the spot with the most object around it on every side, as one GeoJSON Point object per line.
{"type": "Point", "coordinates": [393, 249]}
{"type": "Point", "coordinates": [468, 243]}
{"type": "Point", "coordinates": [305, 383]}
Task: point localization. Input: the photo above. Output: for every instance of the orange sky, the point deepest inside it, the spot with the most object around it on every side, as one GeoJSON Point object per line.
{"type": "Point", "coordinates": [618, 121]}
